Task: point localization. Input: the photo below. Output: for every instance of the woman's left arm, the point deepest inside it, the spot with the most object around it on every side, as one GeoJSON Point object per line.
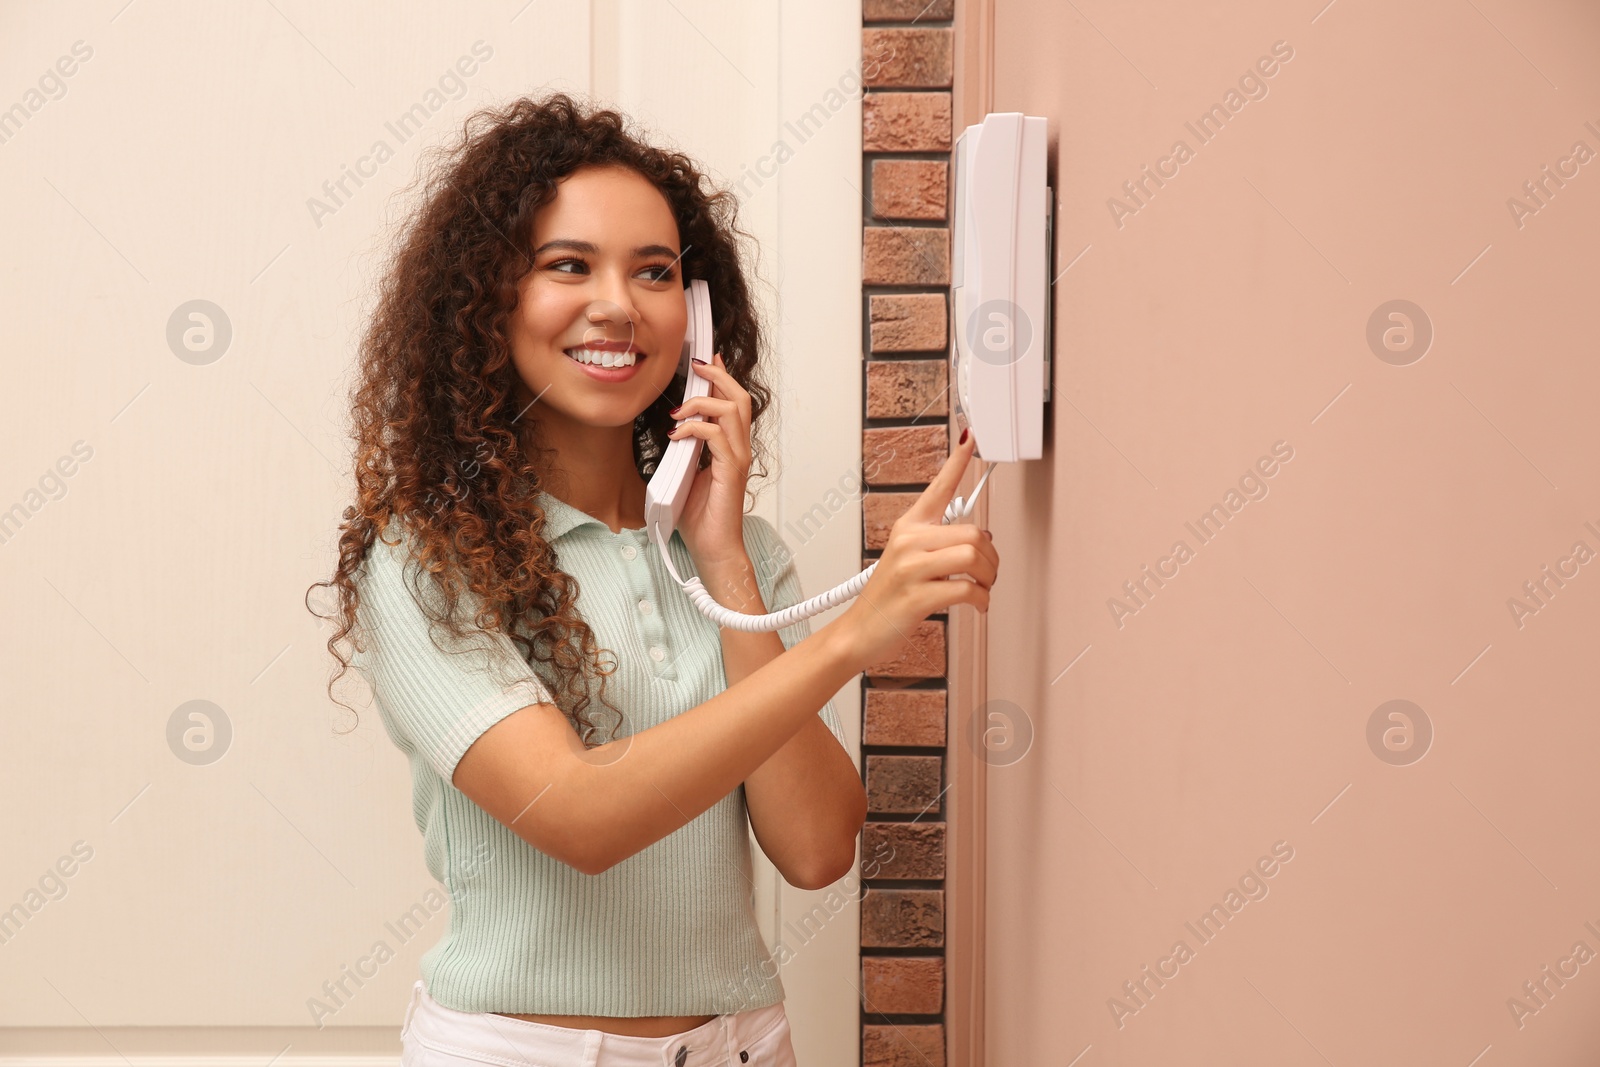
{"type": "Point", "coordinates": [806, 802]}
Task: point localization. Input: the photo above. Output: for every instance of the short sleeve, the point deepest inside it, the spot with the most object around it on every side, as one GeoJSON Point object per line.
{"type": "Point", "coordinates": [779, 582]}
{"type": "Point", "coordinates": [437, 693]}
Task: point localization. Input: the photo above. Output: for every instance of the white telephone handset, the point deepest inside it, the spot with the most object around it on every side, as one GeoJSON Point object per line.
{"type": "Point", "coordinates": [669, 486]}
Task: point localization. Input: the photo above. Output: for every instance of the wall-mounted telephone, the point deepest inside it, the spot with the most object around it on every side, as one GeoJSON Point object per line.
{"type": "Point", "coordinates": [998, 358]}
{"type": "Point", "coordinates": [1000, 292]}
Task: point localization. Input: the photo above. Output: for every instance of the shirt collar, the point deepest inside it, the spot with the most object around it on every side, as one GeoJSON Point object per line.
{"type": "Point", "coordinates": [561, 518]}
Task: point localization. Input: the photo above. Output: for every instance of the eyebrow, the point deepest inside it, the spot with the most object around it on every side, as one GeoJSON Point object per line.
{"type": "Point", "coordinates": [593, 250]}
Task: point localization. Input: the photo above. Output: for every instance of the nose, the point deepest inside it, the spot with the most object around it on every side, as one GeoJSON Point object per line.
{"type": "Point", "coordinates": [608, 321]}
{"type": "Point", "coordinates": [613, 300]}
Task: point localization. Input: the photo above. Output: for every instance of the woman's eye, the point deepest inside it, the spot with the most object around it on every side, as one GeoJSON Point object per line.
{"type": "Point", "coordinates": [659, 272]}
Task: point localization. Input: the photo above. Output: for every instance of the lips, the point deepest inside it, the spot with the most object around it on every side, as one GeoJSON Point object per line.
{"type": "Point", "coordinates": [600, 372]}
{"type": "Point", "coordinates": [602, 355]}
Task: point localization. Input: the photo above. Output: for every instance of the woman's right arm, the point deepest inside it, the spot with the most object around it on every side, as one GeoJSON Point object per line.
{"type": "Point", "coordinates": [592, 808]}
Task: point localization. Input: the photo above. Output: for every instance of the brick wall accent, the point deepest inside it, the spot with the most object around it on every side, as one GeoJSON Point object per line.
{"type": "Point", "coordinates": [905, 267]}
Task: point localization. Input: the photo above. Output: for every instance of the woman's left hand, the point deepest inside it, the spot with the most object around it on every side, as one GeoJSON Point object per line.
{"type": "Point", "coordinates": [712, 523]}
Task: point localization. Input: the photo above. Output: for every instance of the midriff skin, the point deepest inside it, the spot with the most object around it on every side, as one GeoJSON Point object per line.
{"type": "Point", "coordinates": [628, 1026]}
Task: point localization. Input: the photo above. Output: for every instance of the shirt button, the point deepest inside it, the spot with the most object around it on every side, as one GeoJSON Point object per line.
{"type": "Point", "coordinates": [645, 607]}
{"type": "Point", "coordinates": [628, 552]}
{"type": "Point", "coordinates": [657, 653]}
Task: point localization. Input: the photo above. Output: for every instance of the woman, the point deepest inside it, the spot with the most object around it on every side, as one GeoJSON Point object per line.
{"type": "Point", "coordinates": [597, 863]}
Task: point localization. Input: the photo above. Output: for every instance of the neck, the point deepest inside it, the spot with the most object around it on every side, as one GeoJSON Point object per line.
{"type": "Point", "coordinates": [592, 470]}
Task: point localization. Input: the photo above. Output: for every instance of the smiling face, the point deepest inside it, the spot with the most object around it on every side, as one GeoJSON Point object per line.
{"type": "Point", "coordinates": [606, 285]}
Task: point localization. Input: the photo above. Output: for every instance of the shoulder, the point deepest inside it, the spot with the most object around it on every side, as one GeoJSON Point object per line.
{"type": "Point", "coordinates": [389, 559]}
{"type": "Point", "coordinates": [763, 542]}
{"type": "Point", "coordinates": [770, 555]}
{"type": "Point", "coordinates": [759, 533]}
{"type": "Point", "coordinates": [393, 581]}
{"type": "Point", "coordinates": [410, 618]}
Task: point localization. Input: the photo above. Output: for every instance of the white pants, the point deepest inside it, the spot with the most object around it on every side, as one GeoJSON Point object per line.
{"type": "Point", "coordinates": [433, 1034]}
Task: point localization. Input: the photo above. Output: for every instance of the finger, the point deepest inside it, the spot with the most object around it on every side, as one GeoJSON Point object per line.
{"type": "Point", "coordinates": [715, 370]}
{"type": "Point", "coordinates": [729, 404]}
{"type": "Point", "coordinates": [730, 416]}
{"type": "Point", "coordinates": [957, 559]}
{"type": "Point", "coordinates": [709, 432]}
{"type": "Point", "coordinates": [717, 395]}
{"type": "Point", "coordinates": [930, 506]}
{"type": "Point", "coordinates": [945, 595]}
{"type": "Point", "coordinates": [715, 406]}
{"type": "Point", "coordinates": [958, 534]}
{"type": "Point", "coordinates": [934, 536]}
{"type": "Point", "coordinates": [716, 439]}
{"type": "Point", "coordinates": [724, 386]}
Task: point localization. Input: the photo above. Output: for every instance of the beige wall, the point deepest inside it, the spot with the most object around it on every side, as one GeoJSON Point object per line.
{"type": "Point", "coordinates": [1176, 746]}
{"type": "Point", "coordinates": [177, 165]}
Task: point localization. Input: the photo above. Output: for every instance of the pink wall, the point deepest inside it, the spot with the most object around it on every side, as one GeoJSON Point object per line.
{"type": "Point", "coordinates": [1229, 716]}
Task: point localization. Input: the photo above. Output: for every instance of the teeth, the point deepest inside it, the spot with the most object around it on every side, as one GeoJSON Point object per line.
{"type": "Point", "coordinates": [603, 358]}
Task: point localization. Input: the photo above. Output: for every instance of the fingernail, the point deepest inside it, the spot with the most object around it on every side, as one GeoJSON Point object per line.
{"type": "Point", "coordinates": [675, 410]}
{"type": "Point", "coordinates": [989, 535]}
{"type": "Point", "coordinates": [964, 431]}
{"type": "Point", "coordinates": [702, 363]}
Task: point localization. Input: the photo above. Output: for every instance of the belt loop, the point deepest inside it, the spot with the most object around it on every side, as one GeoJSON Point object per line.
{"type": "Point", "coordinates": [416, 995]}
{"type": "Point", "coordinates": [591, 1047]}
{"type": "Point", "coordinates": [729, 1036]}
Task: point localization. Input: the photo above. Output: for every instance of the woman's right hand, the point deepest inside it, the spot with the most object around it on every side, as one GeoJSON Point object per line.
{"type": "Point", "coordinates": [915, 576]}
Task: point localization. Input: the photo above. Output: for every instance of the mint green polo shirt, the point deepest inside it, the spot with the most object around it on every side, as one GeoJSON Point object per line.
{"type": "Point", "coordinates": [670, 930]}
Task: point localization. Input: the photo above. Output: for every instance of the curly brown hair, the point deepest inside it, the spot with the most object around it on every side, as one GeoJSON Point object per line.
{"type": "Point", "coordinates": [437, 390]}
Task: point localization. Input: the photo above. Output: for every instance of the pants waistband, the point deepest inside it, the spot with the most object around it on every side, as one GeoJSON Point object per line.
{"type": "Point", "coordinates": [517, 1042]}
